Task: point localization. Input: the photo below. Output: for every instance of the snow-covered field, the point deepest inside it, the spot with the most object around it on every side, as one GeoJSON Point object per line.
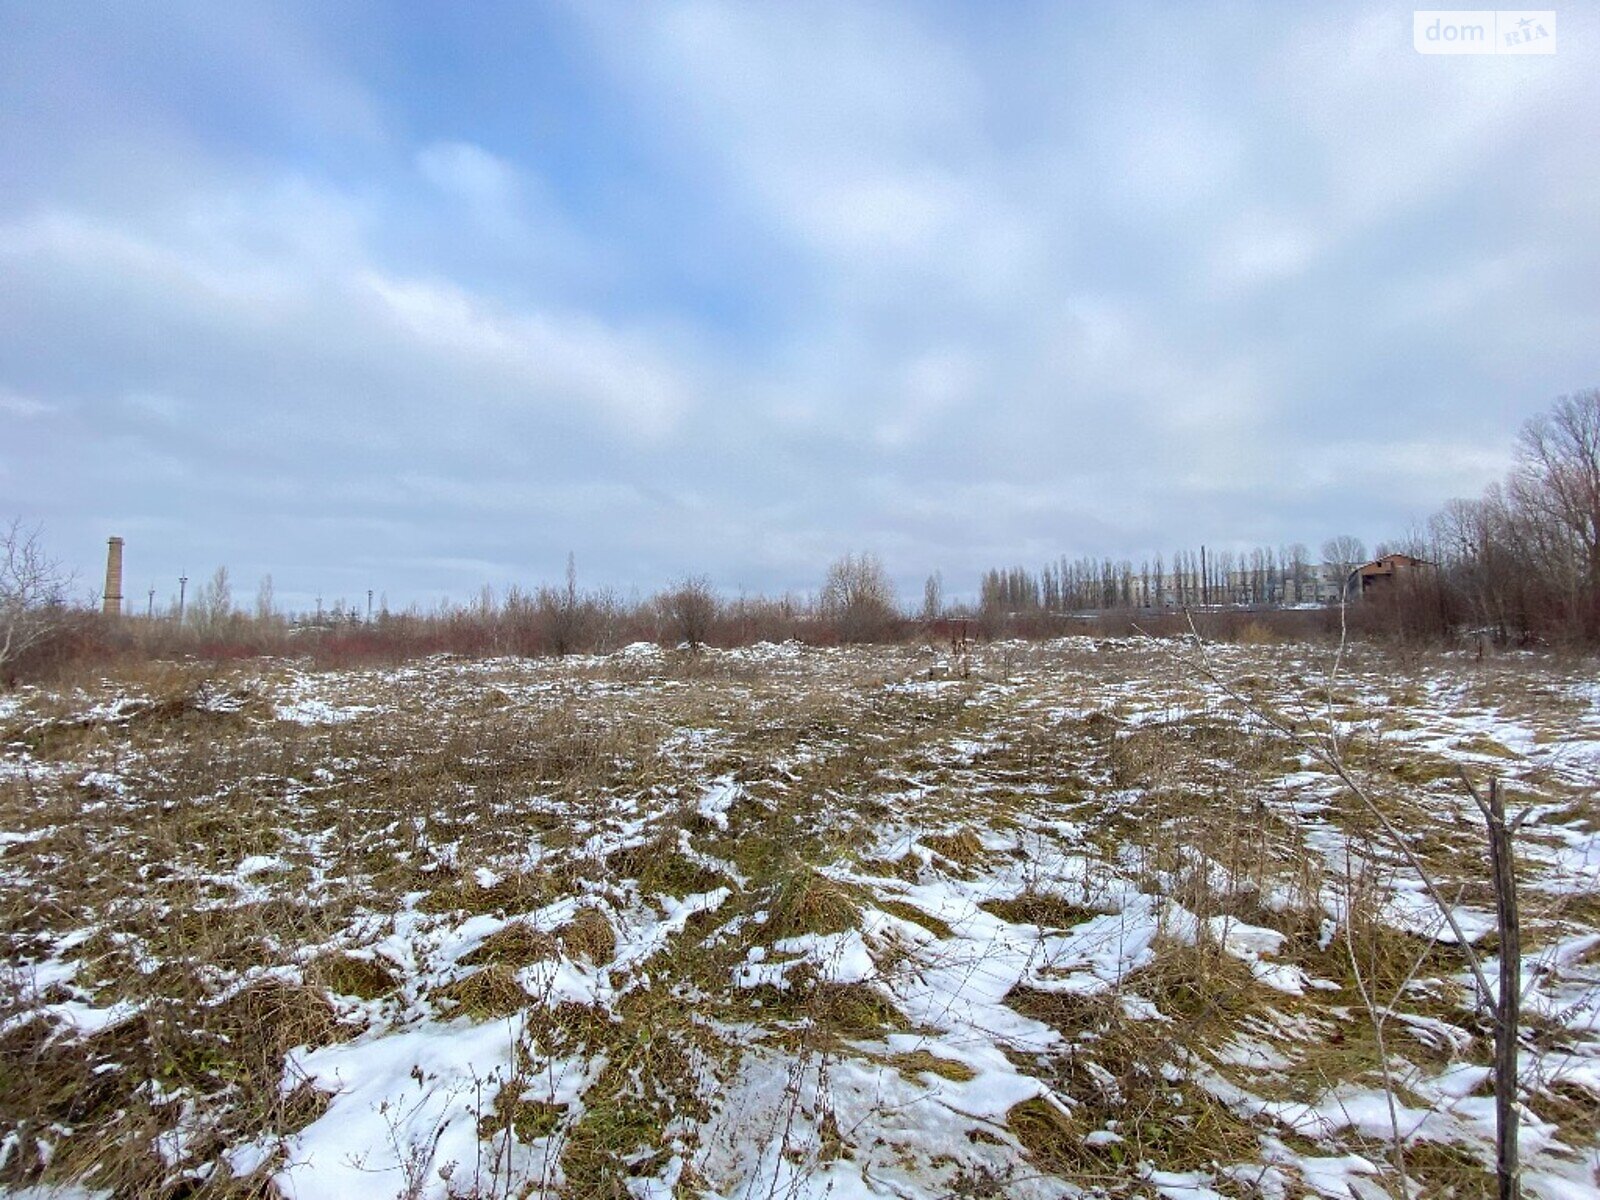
{"type": "Point", "coordinates": [785, 922]}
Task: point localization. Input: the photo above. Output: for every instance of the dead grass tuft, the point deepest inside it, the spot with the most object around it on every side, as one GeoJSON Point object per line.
{"type": "Point", "coordinates": [1124, 1075]}
{"type": "Point", "coordinates": [1568, 1105]}
{"type": "Point", "coordinates": [907, 867]}
{"type": "Point", "coordinates": [1070, 1013]}
{"type": "Point", "coordinates": [919, 1062]}
{"type": "Point", "coordinates": [1041, 909]}
{"type": "Point", "coordinates": [515, 946]}
{"type": "Point", "coordinates": [589, 935]}
{"type": "Point", "coordinates": [528, 1120]}
{"type": "Point", "coordinates": [852, 1008]}
{"type": "Point", "coordinates": [1445, 1169]}
{"type": "Point", "coordinates": [620, 1137]}
{"type": "Point", "coordinates": [362, 976]}
{"type": "Point", "coordinates": [1483, 744]}
{"type": "Point", "coordinates": [963, 847]}
{"type": "Point", "coordinates": [575, 1028]}
{"type": "Point", "coordinates": [1045, 1132]}
{"type": "Point", "coordinates": [809, 902]}
{"type": "Point", "coordinates": [1199, 985]}
{"type": "Point", "coordinates": [487, 994]}
{"type": "Point", "coordinates": [1390, 960]}
{"type": "Point", "coordinates": [516, 893]}
{"type": "Point", "coordinates": [1256, 634]}
{"type": "Point", "coordinates": [274, 1017]}
{"type": "Point", "coordinates": [818, 1013]}
{"type": "Point", "coordinates": [910, 912]}
{"type": "Point", "coordinates": [659, 866]}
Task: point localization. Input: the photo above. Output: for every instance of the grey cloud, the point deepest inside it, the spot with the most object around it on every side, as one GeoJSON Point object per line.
{"type": "Point", "coordinates": [962, 291]}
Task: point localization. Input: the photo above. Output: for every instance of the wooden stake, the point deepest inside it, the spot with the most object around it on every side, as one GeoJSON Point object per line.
{"type": "Point", "coordinates": [1508, 1004]}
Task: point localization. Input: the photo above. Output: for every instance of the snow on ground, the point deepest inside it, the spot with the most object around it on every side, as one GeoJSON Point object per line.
{"type": "Point", "coordinates": [1058, 920]}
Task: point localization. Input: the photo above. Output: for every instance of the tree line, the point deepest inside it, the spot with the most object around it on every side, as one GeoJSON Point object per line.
{"type": "Point", "coordinates": [1521, 563]}
{"type": "Point", "coordinates": [1193, 578]}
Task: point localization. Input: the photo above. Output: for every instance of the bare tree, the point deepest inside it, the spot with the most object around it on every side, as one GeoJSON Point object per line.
{"type": "Point", "coordinates": [858, 598]}
{"type": "Point", "coordinates": [1524, 559]}
{"type": "Point", "coordinates": [32, 591]}
{"type": "Point", "coordinates": [1299, 571]}
{"type": "Point", "coordinates": [690, 610]}
{"type": "Point", "coordinates": [214, 606]}
{"type": "Point", "coordinates": [562, 618]}
{"type": "Point", "coordinates": [1342, 555]}
{"type": "Point", "coordinates": [1555, 491]}
{"type": "Point", "coordinates": [265, 609]}
{"type": "Point", "coordinates": [933, 597]}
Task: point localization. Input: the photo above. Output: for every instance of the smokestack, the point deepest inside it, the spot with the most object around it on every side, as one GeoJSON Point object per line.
{"type": "Point", "coordinates": [112, 605]}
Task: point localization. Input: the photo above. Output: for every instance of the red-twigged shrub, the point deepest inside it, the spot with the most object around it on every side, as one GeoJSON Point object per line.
{"type": "Point", "coordinates": [73, 639]}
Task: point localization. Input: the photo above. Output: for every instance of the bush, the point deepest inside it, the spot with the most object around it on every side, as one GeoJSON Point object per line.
{"type": "Point", "coordinates": [689, 611]}
{"type": "Point", "coordinates": [32, 595]}
{"type": "Point", "coordinates": [858, 599]}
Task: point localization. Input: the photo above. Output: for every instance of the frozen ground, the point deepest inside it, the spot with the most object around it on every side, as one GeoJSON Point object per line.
{"type": "Point", "coordinates": [781, 922]}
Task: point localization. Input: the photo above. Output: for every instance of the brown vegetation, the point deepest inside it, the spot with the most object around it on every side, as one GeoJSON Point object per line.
{"type": "Point", "coordinates": [236, 880]}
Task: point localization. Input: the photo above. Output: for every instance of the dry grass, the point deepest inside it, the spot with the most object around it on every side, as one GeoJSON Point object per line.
{"type": "Point", "coordinates": [919, 1062]}
{"type": "Point", "coordinates": [1037, 908]}
{"type": "Point", "coordinates": [1116, 1075]}
{"type": "Point", "coordinates": [486, 994]}
{"type": "Point", "coordinates": [234, 878]}
{"type": "Point", "coordinates": [364, 977]}
{"type": "Point", "coordinates": [660, 866]}
{"type": "Point", "coordinates": [963, 847]}
{"type": "Point", "coordinates": [806, 901]}
{"type": "Point", "coordinates": [909, 912]}
{"type": "Point", "coordinates": [589, 936]}
{"type": "Point", "coordinates": [516, 945]}
{"type": "Point", "coordinates": [518, 893]}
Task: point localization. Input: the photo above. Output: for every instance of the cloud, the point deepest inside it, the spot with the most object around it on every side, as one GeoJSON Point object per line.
{"type": "Point", "coordinates": [574, 362]}
{"type": "Point", "coordinates": [24, 407]}
{"type": "Point", "coordinates": [470, 172]}
{"type": "Point", "coordinates": [712, 286]}
{"type": "Point", "coordinates": [1262, 250]}
{"type": "Point", "coordinates": [335, 315]}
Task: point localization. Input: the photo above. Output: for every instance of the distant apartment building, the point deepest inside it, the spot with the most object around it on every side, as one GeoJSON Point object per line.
{"type": "Point", "coordinates": [1318, 583]}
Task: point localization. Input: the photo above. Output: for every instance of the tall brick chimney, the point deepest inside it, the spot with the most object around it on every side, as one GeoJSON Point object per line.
{"type": "Point", "coordinates": [112, 604]}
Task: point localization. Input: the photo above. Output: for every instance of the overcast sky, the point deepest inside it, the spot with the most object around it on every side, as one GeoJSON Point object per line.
{"type": "Point", "coordinates": [419, 297]}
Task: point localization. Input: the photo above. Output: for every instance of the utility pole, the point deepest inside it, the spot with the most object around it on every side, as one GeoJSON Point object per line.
{"type": "Point", "coordinates": [150, 605]}
{"type": "Point", "coordinates": [183, 586]}
{"type": "Point", "coordinates": [369, 606]}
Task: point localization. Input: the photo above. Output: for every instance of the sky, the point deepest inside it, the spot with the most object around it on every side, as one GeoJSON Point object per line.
{"type": "Point", "coordinates": [422, 297]}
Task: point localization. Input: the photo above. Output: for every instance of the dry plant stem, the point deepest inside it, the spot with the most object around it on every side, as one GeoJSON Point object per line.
{"type": "Point", "coordinates": [1504, 1004]}
{"type": "Point", "coordinates": [1379, 1019]}
{"type": "Point", "coordinates": [1508, 1003]}
{"type": "Point", "coordinates": [1330, 757]}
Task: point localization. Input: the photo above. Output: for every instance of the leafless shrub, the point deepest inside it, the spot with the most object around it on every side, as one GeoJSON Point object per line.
{"type": "Point", "coordinates": [858, 599]}
{"type": "Point", "coordinates": [689, 611]}
{"type": "Point", "coordinates": [561, 614]}
{"type": "Point", "coordinates": [32, 592]}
